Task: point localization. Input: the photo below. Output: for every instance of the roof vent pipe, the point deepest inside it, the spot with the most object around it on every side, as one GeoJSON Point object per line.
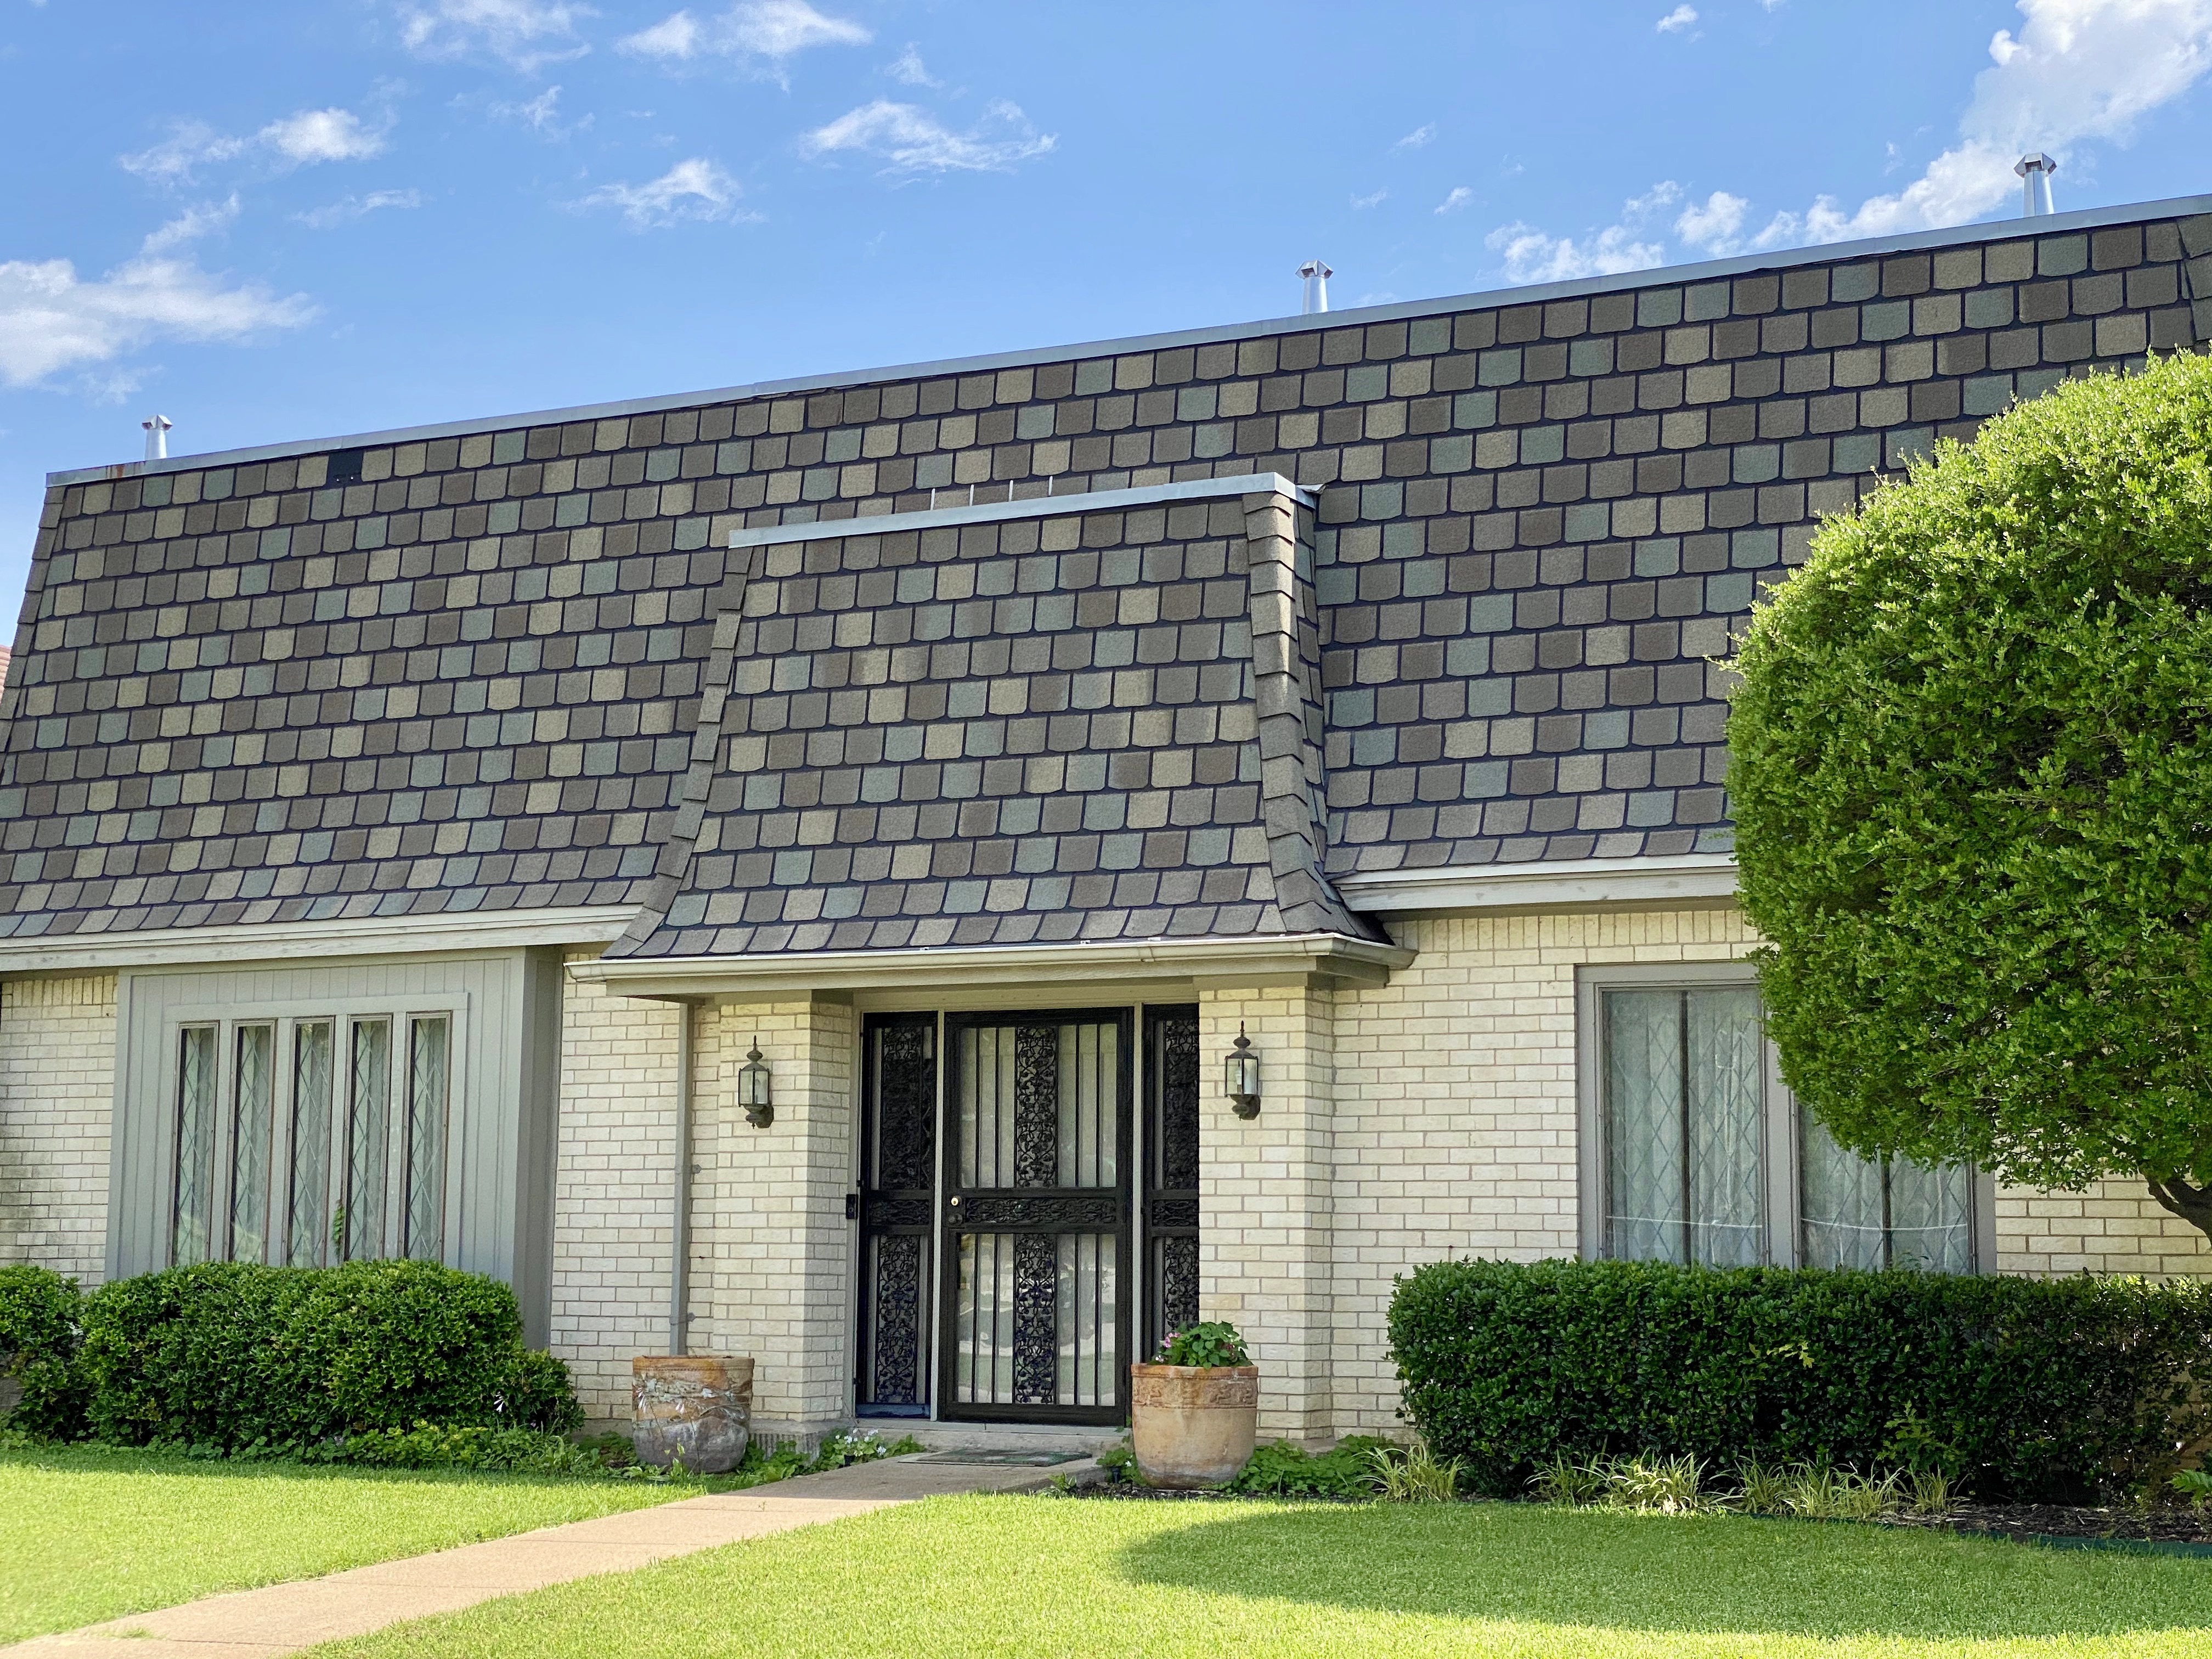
{"type": "Point", "coordinates": [1316, 275]}
{"type": "Point", "coordinates": [157, 437]}
{"type": "Point", "coordinates": [2035, 171]}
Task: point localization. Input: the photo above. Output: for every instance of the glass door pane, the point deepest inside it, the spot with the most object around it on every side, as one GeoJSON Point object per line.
{"type": "Point", "coordinates": [428, 1082]}
{"type": "Point", "coordinates": [1038, 1217]}
{"type": "Point", "coordinates": [195, 1144]}
{"type": "Point", "coordinates": [368, 1140]}
{"type": "Point", "coordinates": [309, 1243]}
{"type": "Point", "coordinates": [253, 1090]}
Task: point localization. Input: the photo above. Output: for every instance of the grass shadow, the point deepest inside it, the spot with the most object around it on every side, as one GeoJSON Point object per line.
{"type": "Point", "coordinates": [1708, 1574]}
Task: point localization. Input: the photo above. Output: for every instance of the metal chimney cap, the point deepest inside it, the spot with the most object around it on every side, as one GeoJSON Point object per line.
{"type": "Point", "coordinates": [2034, 161]}
{"type": "Point", "coordinates": [1314, 268]}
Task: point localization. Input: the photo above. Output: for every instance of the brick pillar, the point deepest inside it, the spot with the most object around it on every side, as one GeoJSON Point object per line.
{"type": "Point", "coordinates": [1264, 1198]}
{"type": "Point", "coordinates": [771, 1273]}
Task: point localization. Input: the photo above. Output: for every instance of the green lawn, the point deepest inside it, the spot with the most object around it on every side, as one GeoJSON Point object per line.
{"type": "Point", "coordinates": [1034, 1576]}
{"type": "Point", "coordinates": [87, 1534]}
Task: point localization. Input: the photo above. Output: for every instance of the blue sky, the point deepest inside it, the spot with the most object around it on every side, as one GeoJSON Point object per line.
{"type": "Point", "coordinates": [282, 220]}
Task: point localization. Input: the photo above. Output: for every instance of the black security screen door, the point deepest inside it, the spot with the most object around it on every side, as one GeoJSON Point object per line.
{"type": "Point", "coordinates": [898, 1205]}
{"type": "Point", "coordinates": [1037, 1281]}
{"type": "Point", "coordinates": [1170, 1172]}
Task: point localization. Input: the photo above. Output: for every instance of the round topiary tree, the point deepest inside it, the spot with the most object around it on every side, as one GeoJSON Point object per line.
{"type": "Point", "coordinates": [1972, 771]}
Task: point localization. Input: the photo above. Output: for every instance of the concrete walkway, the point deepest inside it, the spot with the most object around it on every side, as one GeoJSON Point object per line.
{"type": "Point", "coordinates": [282, 1619]}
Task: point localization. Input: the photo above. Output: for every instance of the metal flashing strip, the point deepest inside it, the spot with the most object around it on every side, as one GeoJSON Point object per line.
{"type": "Point", "coordinates": [2055, 224]}
{"type": "Point", "coordinates": [1697, 879]}
{"type": "Point", "coordinates": [1030, 507]}
{"type": "Point", "coordinates": [1280, 959]}
{"type": "Point", "coordinates": [294, 941]}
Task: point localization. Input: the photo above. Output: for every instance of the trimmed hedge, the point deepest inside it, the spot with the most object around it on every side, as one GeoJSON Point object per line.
{"type": "Point", "coordinates": [41, 1323]}
{"type": "Point", "coordinates": [2020, 1388]}
{"type": "Point", "coordinates": [230, 1355]}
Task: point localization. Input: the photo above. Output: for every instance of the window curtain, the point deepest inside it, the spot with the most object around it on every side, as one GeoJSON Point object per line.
{"type": "Point", "coordinates": [1877, 1213]}
{"type": "Point", "coordinates": [1684, 1138]}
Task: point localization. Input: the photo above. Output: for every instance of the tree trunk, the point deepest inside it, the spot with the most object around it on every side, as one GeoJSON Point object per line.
{"type": "Point", "coordinates": [2192, 1204]}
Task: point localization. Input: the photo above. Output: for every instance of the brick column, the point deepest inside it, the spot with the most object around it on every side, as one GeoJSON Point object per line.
{"type": "Point", "coordinates": [770, 1249]}
{"type": "Point", "coordinates": [1264, 1198]}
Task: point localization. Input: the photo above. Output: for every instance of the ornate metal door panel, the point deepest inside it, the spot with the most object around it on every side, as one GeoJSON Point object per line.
{"type": "Point", "coordinates": [898, 1214]}
{"type": "Point", "coordinates": [1171, 1171]}
{"type": "Point", "coordinates": [1036, 1269]}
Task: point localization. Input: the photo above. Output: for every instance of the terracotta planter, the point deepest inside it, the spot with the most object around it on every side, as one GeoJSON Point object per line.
{"type": "Point", "coordinates": [692, 1407]}
{"type": "Point", "coordinates": [1192, 1426]}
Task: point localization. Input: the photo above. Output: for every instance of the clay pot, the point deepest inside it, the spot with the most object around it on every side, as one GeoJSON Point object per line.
{"type": "Point", "coordinates": [1192, 1426]}
{"type": "Point", "coordinates": [692, 1407]}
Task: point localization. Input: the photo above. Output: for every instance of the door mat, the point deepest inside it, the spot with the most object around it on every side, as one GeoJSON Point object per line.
{"type": "Point", "coordinates": [1006, 1459]}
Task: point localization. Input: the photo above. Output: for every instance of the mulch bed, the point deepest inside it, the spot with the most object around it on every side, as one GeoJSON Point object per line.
{"type": "Point", "coordinates": [2033, 1522]}
{"type": "Point", "coordinates": [2023, 1523]}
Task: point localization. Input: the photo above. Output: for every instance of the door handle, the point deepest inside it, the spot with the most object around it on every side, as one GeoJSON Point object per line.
{"type": "Point", "coordinates": [956, 1203]}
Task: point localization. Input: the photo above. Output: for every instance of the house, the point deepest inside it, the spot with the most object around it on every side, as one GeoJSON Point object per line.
{"type": "Point", "coordinates": [783, 871]}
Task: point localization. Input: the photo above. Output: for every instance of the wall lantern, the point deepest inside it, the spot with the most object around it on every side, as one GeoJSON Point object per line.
{"type": "Point", "coordinates": [1242, 1082]}
{"type": "Point", "coordinates": [753, 1090]}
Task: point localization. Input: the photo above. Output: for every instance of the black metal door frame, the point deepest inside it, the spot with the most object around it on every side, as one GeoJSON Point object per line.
{"type": "Point", "coordinates": [1033, 1210]}
{"type": "Point", "coordinates": [896, 1221]}
{"type": "Point", "coordinates": [1170, 1173]}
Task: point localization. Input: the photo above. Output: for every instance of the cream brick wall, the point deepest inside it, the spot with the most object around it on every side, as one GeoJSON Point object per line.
{"type": "Point", "coordinates": [1266, 1192]}
{"type": "Point", "coordinates": [614, 1188]}
{"type": "Point", "coordinates": [2115, 1227]}
{"type": "Point", "coordinates": [771, 1273]}
{"type": "Point", "coordinates": [1429, 1118]}
{"type": "Point", "coordinates": [56, 1097]}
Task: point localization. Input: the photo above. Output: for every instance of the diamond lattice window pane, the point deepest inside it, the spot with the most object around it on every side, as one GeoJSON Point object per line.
{"type": "Point", "coordinates": [1644, 1145]}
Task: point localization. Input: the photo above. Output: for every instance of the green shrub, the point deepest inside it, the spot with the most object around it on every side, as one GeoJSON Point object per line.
{"type": "Point", "coordinates": [228, 1354]}
{"type": "Point", "coordinates": [1972, 772]}
{"type": "Point", "coordinates": [42, 1323]}
{"type": "Point", "coordinates": [2015, 1387]}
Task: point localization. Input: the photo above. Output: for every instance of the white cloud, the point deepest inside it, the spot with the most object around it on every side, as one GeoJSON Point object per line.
{"type": "Point", "coordinates": [1531, 256]}
{"type": "Point", "coordinates": [911, 140]}
{"type": "Point", "coordinates": [51, 320]}
{"type": "Point", "coordinates": [1714, 224]}
{"type": "Point", "coordinates": [772, 30]}
{"type": "Point", "coordinates": [696, 189]}
{"type": "Point", "coordinates": [322, 134]}
{"type": "Point", "coordinates": [2078, 69]}
{"type": "Point", "coordinates": [302, 139]}
{"type": "Point", "coordinates": [1419, 136]}
{"type": "Point", "coordinates": [358, 207]}
{"type": "Point", "coordinates": [910, 71]}
{"type": "Point", "coordinates": [1535, 256]}
{"type": "Point", "coordinates": [1461, 196]}
{"type": "Point", "coordinates": [1678, 19]}
{"type": "Point", "coordinates": [1376, 200]}
{"type": "Point", "coordinates": [678, 36]}
{"type": "Point", "coordinates": [1661, 196]}
{"type": "Point", "coordinates": [190, 225]}
{"type": "Point", "coordinates": [541, 115]}
{"type": "Point", "coordinates": [524, 33]}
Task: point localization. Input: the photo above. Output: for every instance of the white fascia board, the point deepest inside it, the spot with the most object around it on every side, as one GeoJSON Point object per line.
{"type": "Point", "coordinates": [294, 941]}
{"type": "Point", "coordinates": [1030, 507]}
{"type": "Point", "coordinates": [1710, 270]}
{"type": "Point", "coordinates": [1225, 961]}
{"type": "Point", "coordinates": [1695, 879]}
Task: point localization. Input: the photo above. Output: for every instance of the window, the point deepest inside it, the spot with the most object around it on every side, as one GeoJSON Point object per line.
{"type": "Point", "coordinates": [309, 1138]}
{"type": "Point", "coordinates": [1693, 1152]}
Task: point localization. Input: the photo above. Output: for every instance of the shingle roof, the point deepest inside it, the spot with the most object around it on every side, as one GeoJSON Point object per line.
{"type": "Point", "coordinates": [464, 672]}
{"type": "Point", "coordinates": [1039, 730]}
